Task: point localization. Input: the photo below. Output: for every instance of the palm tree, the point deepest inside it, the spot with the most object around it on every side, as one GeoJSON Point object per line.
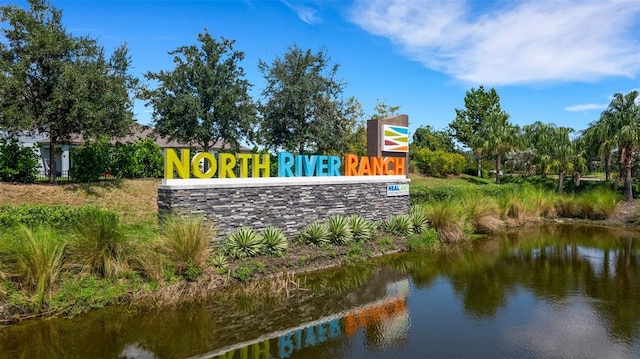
{"type": "Point", "coordinates": [562, 152]}
{"type": "Point", "coordinates": [539, 136]}
{"type": "Point", "coordinates": [624, 114]}
{"type": "Point", "coordinates": [601, 137]}
{"type": "Point", "coordinates": [498, 137]}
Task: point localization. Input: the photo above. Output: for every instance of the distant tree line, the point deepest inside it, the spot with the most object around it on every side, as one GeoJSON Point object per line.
{"type": "Point", "coordinates": [485, 131]}
{"type": "Point", "coordinates": [61, 85]}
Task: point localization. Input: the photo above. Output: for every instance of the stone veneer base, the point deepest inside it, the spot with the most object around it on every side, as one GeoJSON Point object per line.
{"type": "Point", "coordinates": [289, 203]}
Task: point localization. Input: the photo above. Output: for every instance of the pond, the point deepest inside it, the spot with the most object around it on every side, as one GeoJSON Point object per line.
{"type": "Point", "coordinates": [557, 291]}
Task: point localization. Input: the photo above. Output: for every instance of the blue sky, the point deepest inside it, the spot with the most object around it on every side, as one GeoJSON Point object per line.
{"type": "Point", "coordinates": [551, 61]}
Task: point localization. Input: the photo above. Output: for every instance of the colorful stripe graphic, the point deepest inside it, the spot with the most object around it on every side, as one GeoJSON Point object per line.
{"type": "Point", "coordinates": [395, 138]}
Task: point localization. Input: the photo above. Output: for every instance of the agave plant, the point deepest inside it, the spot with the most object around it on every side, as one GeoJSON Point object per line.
{"type": "Point", "coordinates": [219, 261]}
{"type": "Point", "coordinates": [400, 225]}
{"type": "Point", "coordinates": [419, 221]}
{"type": "Point", "coordinates": [379, 226]}
{"type": "Point", "coordinates": [361, 229]}
{"type": "Point", "coordinates": [245, 242]}
{"type": "Point", "coordinates": [315, 233]}
{"type": "Point", "coordinates": [274, 241]}
{"type": "Point", "coordinates": [339, 230]}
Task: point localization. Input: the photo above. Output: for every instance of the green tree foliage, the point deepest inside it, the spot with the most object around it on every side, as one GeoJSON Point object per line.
{"type": "Point", "coordinates": [90, 161]}
{"type": "Point", "coordinates": [600, 141]}
{"type": "Point", "coordinates": [139, 159]}
{"type": "Point", "coordinates": [438, 163]}
{"type": "Point", "coordinates": [57, 83]}
{"type": "Point", "coordinates": [562, 152]}
{"type": "Point", "coordinates": [382, 110]}
{"type": "Point", "coordinates": [479, 104]}
{"type": "Point", "coordinates": [617, 128]}
{"type": "Point", "coordinates": [624, 115]}
{"type": "Point", "coordinates": [498, 136]}
{"type": "Point", "coordinates": [205, 98]}
{"type": "Point", "coordinates": [427, 137]}
{"type": "Point", "coordinates": [539, 137]}
{"type": "Point", "coordinates": [356, 129]}
{"type": "Point", "coordinates": [304, 110]}
{"type": "Point", "coordinates": [17, 164]}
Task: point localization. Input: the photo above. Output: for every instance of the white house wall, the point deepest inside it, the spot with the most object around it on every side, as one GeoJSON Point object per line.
{"type": "Point", "coordinates": [32, 139]}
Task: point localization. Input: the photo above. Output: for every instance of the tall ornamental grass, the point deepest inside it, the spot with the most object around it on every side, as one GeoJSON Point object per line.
{"type": "Point", "coordinates": [484, 214]}
{"type": "Point", "coordinates": [34, 256]}
{"type": "Point", "coordinates": [447, 218]}
{"type": "Point", "coordinates": [100, 246]}
{"type": "Point", "coordinates": [597, 204]}
{"type": "Point", "coordinates": [185, 240]}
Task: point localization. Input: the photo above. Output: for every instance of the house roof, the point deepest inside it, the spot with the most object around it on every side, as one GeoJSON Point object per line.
{"type": "Point", "coordinates": [139, 131]}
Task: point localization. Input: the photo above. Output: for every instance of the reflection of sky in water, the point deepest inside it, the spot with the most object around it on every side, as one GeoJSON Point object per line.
{"type": "Point", "coordinates": [595, 256]}
{"type": "Point", "coordinates": [569, 330]}
{"type": "Point", "coordinates": [525, 327]}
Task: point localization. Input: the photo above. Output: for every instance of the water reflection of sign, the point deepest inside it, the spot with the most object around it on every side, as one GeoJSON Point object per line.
{"type": "Point", "coordinates": [390, 312]}
{"type": "Point", "coordinates": [307, 337]}
{"type": "Point", "coordinates": [397, 190]}
{"type": "Point", "coordinates": [389, 319]}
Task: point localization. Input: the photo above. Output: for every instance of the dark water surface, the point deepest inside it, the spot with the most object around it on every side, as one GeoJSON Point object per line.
{"type": "Point", "coordinates": [549, 292]}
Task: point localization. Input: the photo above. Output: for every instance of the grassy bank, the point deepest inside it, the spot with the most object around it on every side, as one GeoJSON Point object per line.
{"type": "Point", "coordinates": [134, 200]}
{"type": "Point", "coordinates": [70, 248]}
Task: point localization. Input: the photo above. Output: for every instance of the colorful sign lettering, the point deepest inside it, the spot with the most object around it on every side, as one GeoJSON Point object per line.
{"type": "Point", "coordinates": [245, 165]}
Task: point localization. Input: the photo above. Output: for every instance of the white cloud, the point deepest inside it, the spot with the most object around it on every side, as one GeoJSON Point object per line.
{"type": "Point", "coordinates": [511, 42]}
{"type": "Point", "coordinates": [586, 107]}
{"type": "Point", "coordinates": [305, 13]}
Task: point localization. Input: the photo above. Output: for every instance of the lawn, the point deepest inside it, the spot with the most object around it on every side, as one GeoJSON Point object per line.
{"type": "Point", "coordinates": [134, 200]}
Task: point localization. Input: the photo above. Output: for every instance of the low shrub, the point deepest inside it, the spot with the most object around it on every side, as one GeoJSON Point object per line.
{"type": "Point", "coordinates": [438, 163]}
{"type": "Point", "coordinates": [61, 217]}
{"type": "Point", "coordinates": [17, 164]}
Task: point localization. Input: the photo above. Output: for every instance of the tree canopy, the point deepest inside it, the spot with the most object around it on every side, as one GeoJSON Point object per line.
{"type": "Point", "coordinates": [303, 108]}
{"type": "Point", "coordinates": [205, 98]}
{"type": "Point", "coordinates": [427, 137]}
{"type": "Point", "coordinates": [497, 136]}
{"type": "Point", "coordinates": [58, 83]}
{"type": "Point", "coordinates": [479, 104]}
